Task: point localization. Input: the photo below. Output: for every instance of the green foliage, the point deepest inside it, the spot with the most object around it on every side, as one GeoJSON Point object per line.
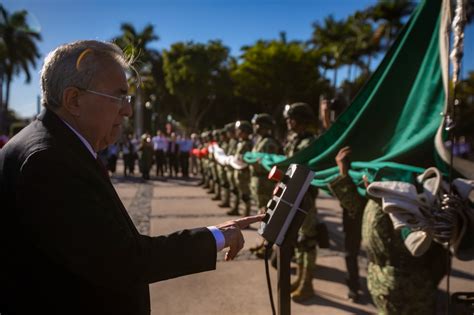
{"type": "Point", "coordinates": [198, 75]}
{"type": "Point", "coordinates": [274, 73]}
{"type": "Point", "coordinates": [389, 14]}
{"type": "Point", "coordinates": [344, 42]}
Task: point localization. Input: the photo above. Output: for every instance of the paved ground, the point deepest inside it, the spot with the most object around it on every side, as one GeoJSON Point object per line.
{"type": "Point", "coordinates": [239, 287]}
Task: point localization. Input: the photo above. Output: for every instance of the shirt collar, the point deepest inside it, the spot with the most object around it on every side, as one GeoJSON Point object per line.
{"type": "Point", "coordinates": [83, 140]}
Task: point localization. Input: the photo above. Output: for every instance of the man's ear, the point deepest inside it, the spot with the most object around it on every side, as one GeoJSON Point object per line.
{"type": "Point", "coordinates": [71, 101]}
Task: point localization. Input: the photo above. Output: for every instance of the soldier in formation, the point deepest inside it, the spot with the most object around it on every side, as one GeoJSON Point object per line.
{"type": "Point", "coordinates": [243, 130]}
{"type": "Point", "coordinates": [260, 186]}
{"type": "Point", "coordinates": [300, 120]}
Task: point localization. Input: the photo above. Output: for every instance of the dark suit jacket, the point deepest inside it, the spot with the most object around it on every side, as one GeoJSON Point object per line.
{"type": "Point", "coordinates": [67, 244]}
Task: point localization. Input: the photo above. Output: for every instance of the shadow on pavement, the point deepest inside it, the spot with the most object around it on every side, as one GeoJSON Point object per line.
{"type": "Point", "coordinates": [321, 298]}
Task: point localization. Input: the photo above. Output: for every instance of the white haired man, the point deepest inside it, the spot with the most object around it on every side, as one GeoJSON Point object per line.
{"type": "Point", "coordinates": [68, 245]}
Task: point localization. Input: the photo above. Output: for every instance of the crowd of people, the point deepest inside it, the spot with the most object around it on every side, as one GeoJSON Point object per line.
{"type": "Point", "coordinates": [168, 154]}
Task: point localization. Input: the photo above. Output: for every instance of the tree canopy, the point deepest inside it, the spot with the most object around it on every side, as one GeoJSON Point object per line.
{"type": "Point", "coordinates": [197, 74]}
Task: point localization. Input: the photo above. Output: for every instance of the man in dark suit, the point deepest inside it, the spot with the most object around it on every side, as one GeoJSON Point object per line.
{"type": "Point", "coordinates": [67, 244]}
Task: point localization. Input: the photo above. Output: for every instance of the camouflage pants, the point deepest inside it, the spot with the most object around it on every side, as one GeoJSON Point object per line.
{"type": "Point", "coordinates": [213, 170]}
{"type": "Point", "coordinates": [231, 179]}
{"type": "Point", "coordinates": [222, 175]}
{"type": "Point", "coordinates": [305, 250]}
{"type": "Point", "coordinates": [205, 169]}
{"type": "Point", "coordinates": [261, 189]}
{"type": "Point", "coordinates": [398, 293]}
{"type": "Point", "coordinates": [242, 180]}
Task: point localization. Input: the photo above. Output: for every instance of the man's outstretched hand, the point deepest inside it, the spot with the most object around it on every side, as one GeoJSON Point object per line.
{"type": "Point", "coordinates": [233, 234]}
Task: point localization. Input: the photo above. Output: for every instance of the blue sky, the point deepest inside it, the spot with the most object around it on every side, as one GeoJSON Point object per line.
{"type": "Point", "coordinates": [236, 23]}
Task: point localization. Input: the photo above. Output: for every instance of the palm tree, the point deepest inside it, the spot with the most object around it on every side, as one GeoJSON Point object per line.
{"type": "Point", "coordinates": [363, 41]}
{"type": "Point", "coordinates": [18, 52]}
{"type": "Point", "coordinates": [332, 44]}
{"type": "Point", "coordinates": [135, 45]}
{"type": "Point", "coordinates": [390, 14]}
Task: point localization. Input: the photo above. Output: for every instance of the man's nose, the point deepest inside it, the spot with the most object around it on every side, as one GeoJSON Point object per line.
{"type": "Point", "coordinates": [127, 110]}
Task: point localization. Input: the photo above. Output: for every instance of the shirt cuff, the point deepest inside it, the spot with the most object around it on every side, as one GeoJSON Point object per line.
{"type": "Point", "coordinates": [218, 236]}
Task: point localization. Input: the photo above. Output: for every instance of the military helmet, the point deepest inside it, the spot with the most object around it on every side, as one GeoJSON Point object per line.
{"type": "Point", "coordinates": [244, 126]}
{"type": "Point", "coordinates": [263, 119]}
{"type": "Point", "coordinates": [301, 112]}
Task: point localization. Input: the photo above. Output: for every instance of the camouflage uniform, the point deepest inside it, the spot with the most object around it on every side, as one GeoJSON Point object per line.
{"type": "Point", "coordinates": [260, 186]}
{"type": "Point", "coordinates": [398, 282]}
{"type": "Point", "coordinates": [205, 161]}
{"type": "Point", "coordinates": [211, 164]}
{"type": "Point", "coordinates": [221, 172]}
{"type": "Point", "coordinates": [305, 250]}
{"type": "Point", "coordinates": [232, 147]}
{"type": "Point", "coordinates": [242, 177]}
{"type": "Point", "coordinates": [300, 119]}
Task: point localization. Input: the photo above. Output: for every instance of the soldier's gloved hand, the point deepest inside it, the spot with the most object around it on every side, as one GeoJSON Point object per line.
{"type": "Point", "coordinates": [233, 234]}
{"type": "Point", "coordinates": [342, 160]}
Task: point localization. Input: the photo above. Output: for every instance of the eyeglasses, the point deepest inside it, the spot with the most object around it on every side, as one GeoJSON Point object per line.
{"type": "Point", "coordinates": [124, 99]}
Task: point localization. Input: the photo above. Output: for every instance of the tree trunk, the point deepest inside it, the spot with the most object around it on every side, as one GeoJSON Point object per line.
{"type": "Point", "coordinates": [7, 92]}
{"type": "Point", "coordinates": [369, 61]}
{"type": "Point", "coordinates": [138, 112]}
{"type": "Point", "coordinates": [4, 123]}
{"type": "Point", "coordinates": [200, 114]}
{"type": "Point", "coordinates": [335, 80]}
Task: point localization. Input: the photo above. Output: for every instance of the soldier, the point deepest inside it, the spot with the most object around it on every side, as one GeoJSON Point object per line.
{"type": "Point", "coordinates": [211, 163]}
{"type": "Point", "coordinates": [260, 186]}
{"type": "Point", "coordinates": [242, 177]}
{"type": "Point", "coordinates": [224, 194]}
{"type": "Point", "coordinates": [232, 146]}
{"type": "Point", "coordinates": [221, 140]}
{"type": "Point", "coordinates": [300, 120]}
{"type": "Point", "coordinates": [205, 161]}
{"type": "Point", "coordinates": [398, 282]}
{"type": "Point", "coordinates": [352, 227]}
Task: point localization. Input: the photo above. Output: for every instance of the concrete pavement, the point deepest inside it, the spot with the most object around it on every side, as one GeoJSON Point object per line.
{"type": "Point", "coordinates": [239, 287]}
